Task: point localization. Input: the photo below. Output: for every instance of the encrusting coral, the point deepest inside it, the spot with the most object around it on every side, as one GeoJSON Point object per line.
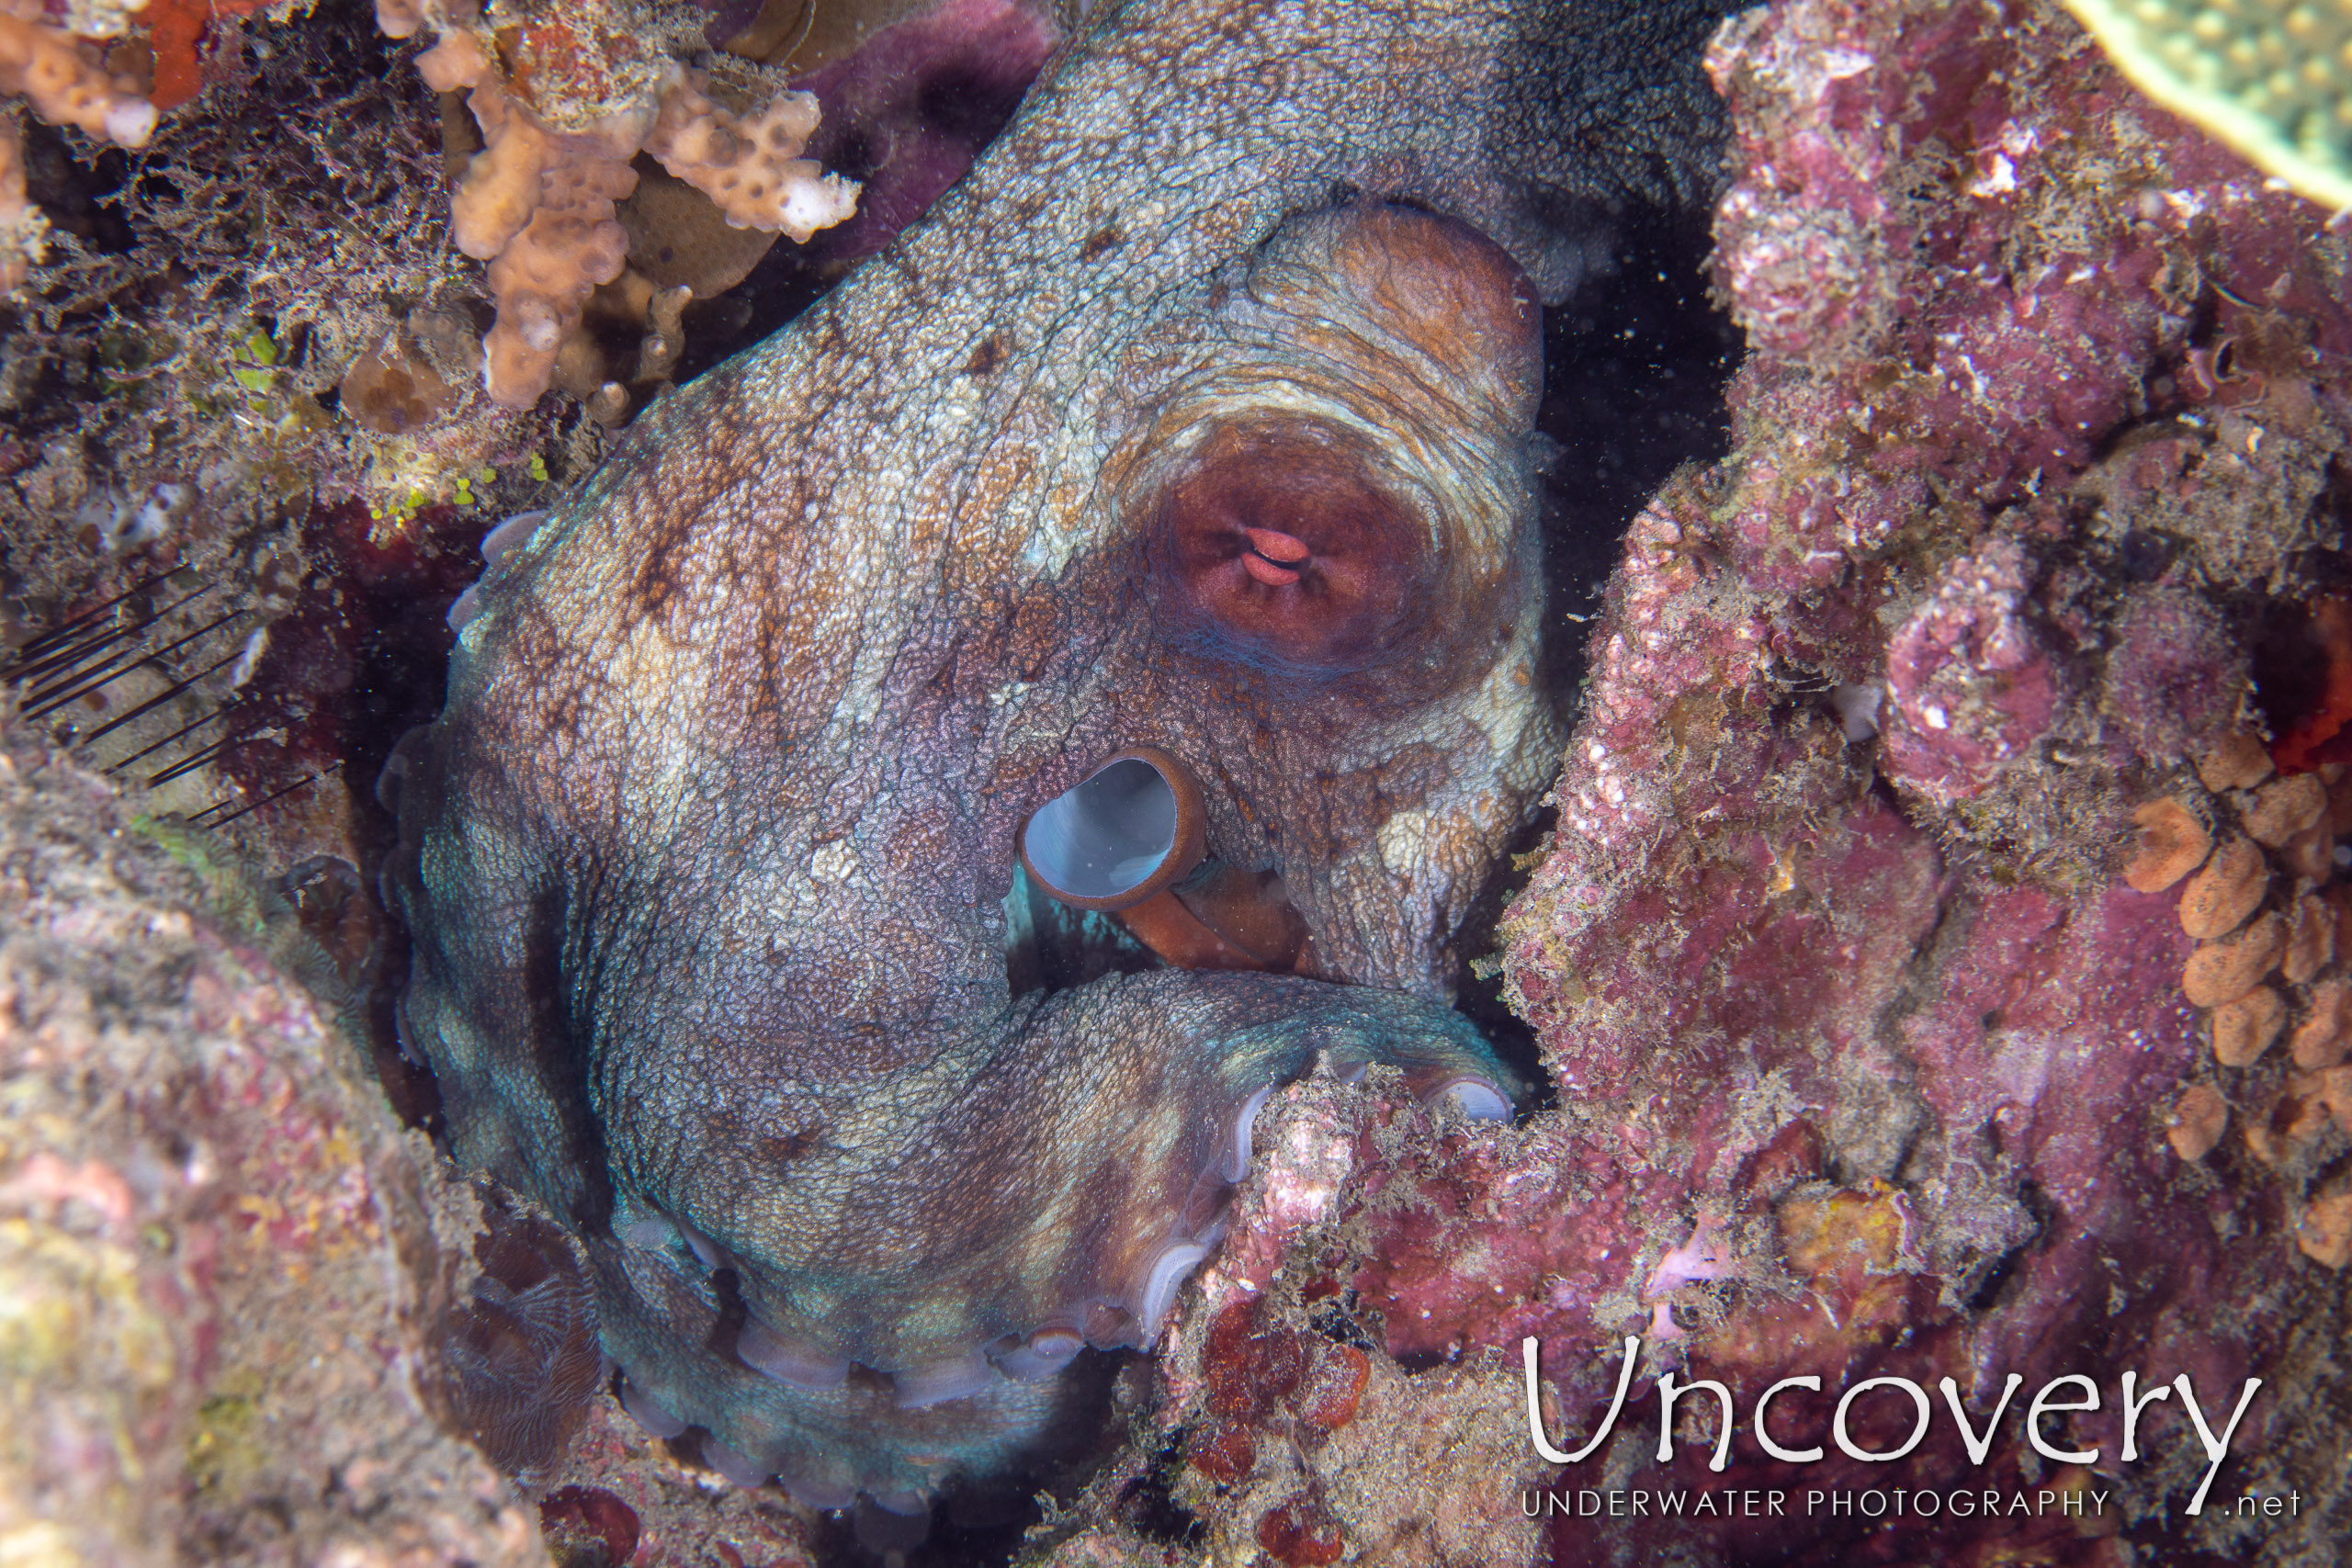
{"type": "Point", "coordinates": [2266, 974]}
{"type": "Point", "coordinates": [537, 201]}
{"type": "Point", "coordinates": [2222, 895]}
{"type": "Point", "coordinates": [2198, 1119]}
{"type": "Point", "coordinates": [67, 84]}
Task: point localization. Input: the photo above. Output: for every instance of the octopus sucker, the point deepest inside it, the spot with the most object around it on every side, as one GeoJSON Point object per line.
{"type": "Point", "coordinates": [959, 1377]}
{"type": "Point", "coordinates": [819, 1493]}
{"type": "Point", "coordinates": [764, 1350]}
{"type": "Point", "coordinates": [1237, 1159]}
{"type": "Point", "coordinates": [1477, 1100]}
{"type": "Point", "coordinates": [1203, 605]}
{"type": "Point", "coordinates": [1039, 1355]}
{"type": "Point", "coordinates": [655, 1421]}
{"type": "Point", "coordinates": [739, 1468]}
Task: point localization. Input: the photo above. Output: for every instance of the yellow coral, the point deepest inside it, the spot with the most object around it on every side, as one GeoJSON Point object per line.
{"type": "Point", "coordinates": [2272, 78]}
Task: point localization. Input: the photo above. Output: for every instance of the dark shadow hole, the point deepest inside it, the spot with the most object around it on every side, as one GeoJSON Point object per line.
{"type": "Point", "coordinates": [1636, 367]}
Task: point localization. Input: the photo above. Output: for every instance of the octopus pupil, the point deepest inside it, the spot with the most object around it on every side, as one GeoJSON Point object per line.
{"type": "Point", "coordinates": [1274, 557]}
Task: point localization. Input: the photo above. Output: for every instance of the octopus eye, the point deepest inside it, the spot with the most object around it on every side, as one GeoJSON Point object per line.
{"type": "Point", "coordinates": [1276, 548]}
{"type": "Point", "coordinates": [1123, 834]}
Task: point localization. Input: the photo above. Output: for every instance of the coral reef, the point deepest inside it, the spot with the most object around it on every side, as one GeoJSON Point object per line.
{"type": "Point", "coordinates": [198, 326]}
{"type": "Point", "coordinates": [1299, 1436]}
{"type": "Point", "coordinates": [1938, 969]}
{"type": "Point", "coordinates": [188, 333]}
{"type": "Point", "coordinates": [64, 81]}
{"type": "Point", "coordinates": [751, 165]}
{"type": "Point", "coordinates": [536, 205]}
{"type": "Point", "coordinates": [21, 224]}
{"type": "Point", "coordinates": [222, 1257]}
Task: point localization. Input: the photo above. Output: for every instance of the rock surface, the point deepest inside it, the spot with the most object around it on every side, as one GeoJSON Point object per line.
{"type": "Point", "coordinates": [219, 1263]}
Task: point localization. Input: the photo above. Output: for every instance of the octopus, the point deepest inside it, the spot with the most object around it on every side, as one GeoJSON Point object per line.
{"type": "Point", "coordinates": [893, 828]}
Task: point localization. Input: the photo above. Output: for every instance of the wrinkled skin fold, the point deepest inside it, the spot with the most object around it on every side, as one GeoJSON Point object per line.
{"type": "Point", "coordinates": [707, 860]}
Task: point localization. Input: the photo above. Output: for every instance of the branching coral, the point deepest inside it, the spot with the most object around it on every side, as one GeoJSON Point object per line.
{"type": "Point", "coordinates": [67, 84]}
{"type": "Point", "coordinates": [543, 278]}
{"type": "Point", "coordinates": [537, 205]}
{"type": "Point", "coordinates": [537, 202]}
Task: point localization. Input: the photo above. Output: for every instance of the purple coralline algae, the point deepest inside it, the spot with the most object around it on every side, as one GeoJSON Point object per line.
{"type": "Point", "coordinates": [1970, 683]}
{"type": "Point", "coordinates": [1868, 1065]}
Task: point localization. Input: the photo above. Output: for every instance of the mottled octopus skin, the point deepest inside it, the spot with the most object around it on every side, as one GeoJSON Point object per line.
{"type": "Point", "coordinates": [707, 858]}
